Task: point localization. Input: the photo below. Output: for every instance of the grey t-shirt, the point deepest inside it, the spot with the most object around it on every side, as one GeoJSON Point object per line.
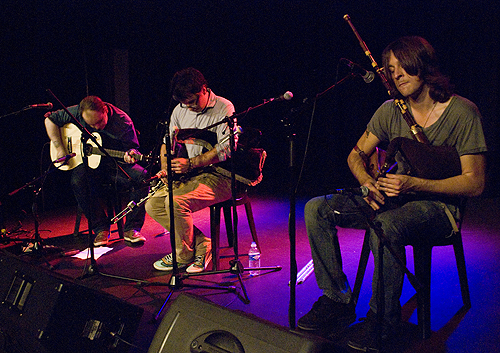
{"type": "Point", "coordinates": [459, 126]}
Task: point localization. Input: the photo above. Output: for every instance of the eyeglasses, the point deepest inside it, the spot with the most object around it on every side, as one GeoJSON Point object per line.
{"type": "Point", "coordinates": [193, 102]}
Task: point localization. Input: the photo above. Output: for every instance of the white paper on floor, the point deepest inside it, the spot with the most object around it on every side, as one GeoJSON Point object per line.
{"type": "Point", "coordinates": [98, 252]}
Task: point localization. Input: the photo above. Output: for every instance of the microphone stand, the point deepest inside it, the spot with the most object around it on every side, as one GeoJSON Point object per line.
{"type": "Point", "coordinates": [176, 280]}
{"type": "Point", "coordinates": [236, 267]}
{"type": "Point", "coordinates": [20, 111]}
{"type": "Point", "coordinates": [37, 241]}
{"type": "Point", "coordinates": [294, 183]}
{"type": "Point", "coordinates": [292, 220]}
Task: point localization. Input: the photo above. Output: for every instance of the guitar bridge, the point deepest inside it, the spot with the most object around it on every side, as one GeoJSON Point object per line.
{"type": "Point", "coordinates": [70, 145]}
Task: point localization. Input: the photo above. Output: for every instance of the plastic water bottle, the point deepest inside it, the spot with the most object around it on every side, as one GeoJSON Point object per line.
{"type": "Point", "coordinates": [254, 259]}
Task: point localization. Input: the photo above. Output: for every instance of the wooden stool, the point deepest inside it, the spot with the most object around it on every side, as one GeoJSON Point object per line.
{"type": "Point", "coordinates": [226, 206]}
{"type": "Point", "coordinates": [422, 263]}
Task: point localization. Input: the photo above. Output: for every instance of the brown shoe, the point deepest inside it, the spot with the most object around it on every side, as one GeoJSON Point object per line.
{"type": "Point", "coordinates": [134, 236]}
{"type": "Point", "coordinates": [101, 238]}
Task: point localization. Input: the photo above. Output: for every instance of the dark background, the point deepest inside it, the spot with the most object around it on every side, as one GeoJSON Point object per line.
{"type": "Point", "coordinates": [127, 51]}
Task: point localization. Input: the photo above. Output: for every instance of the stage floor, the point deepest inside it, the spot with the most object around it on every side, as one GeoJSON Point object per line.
{"type": "Point", "coordinates": [477, 330]}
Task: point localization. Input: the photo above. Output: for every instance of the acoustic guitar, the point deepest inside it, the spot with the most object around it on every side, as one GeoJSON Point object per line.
{"type": "Point", "coordinates": [71, 138]}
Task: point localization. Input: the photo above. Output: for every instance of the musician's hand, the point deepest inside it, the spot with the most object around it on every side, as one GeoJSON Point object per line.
{"type": "Point", "coordinates": [181, 165]}
{"type": "Point", "coordinates": [375, 197]}
{"type": "Point", "coordinates": [132, 156]}
{"type": "Point", "coordinates": [395, 184]}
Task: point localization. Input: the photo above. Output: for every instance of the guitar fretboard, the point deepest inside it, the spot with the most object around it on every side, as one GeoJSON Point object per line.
{"type": "Point", "coordinates": [112, 153]}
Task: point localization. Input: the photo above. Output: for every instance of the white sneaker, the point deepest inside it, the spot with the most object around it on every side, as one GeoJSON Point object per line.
{"type": "Point", "coordinates": [200, 263]}
{"type": "Point", "coordinates": [166, 264]}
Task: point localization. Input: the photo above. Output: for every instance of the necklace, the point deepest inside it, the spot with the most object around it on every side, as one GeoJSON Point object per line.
{"type": "Point", "coordinates": [430, 113]}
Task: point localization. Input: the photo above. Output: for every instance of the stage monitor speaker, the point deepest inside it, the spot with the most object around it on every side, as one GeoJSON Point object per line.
{"type": "Point", "coordinates": [42, 311]}
{"type": "Point", "coordinates": [195, 325]}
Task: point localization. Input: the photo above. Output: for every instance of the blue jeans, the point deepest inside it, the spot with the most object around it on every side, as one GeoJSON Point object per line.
{"type": "Point", "coordinates": [91, 199]}
{"type": "Point", "coordinates": [414, 222]}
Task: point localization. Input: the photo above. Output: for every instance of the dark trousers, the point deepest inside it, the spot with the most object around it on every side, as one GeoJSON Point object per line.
{"type": "Point", "coordinates": [104, 182]}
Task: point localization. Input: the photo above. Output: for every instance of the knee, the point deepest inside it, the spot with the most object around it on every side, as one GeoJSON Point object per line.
{"type": "Point", "coordinates": [312, 206]}
{"type": "Point", "coordinates": [390, 233]}
{"type": "Point", "coordinates": [148, 207]}
{"type": "Point", "coordinates": [155, 206]}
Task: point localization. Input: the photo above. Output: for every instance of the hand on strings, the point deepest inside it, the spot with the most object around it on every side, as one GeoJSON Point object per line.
{"type": "Point", "coordinates": [181, 165]}
{"type": "Point", "coordinates": [132, 156]}
{"type": "Point", "coordinates": [395, 184]}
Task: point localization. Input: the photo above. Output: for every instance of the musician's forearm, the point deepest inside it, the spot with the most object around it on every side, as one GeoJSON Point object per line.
{"type": "Point", "coordinates": [54, 134]}
{"type": "Point", "coordinates": [461, 185]}
{"type": "Point", "coordinates": [470, 183]}
{"type": "Point", "coordinates": [357, 167]}
{"type": "Point", "coordinates": [205, 159]}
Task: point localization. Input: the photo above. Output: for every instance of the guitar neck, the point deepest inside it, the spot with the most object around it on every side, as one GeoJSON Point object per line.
{"type": "Point", "coordinates": [112, 153]}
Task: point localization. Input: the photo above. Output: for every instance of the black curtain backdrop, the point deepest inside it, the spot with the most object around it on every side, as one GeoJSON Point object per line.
{"type": "Point", "coordinates": [248, 51]}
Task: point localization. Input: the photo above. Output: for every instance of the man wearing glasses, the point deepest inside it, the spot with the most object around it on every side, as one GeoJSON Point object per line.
{"type": "Point", "coordinates": [199, 185]}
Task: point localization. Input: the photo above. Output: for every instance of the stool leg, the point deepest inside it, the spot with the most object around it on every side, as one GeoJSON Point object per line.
{"type": "Point", "coordinates": [363, 261]}
{"type": "Point", "coordinates": [422, 263]}
{"type": "Point", "coordinates": [215, 235]}
{"type": "Point", "coordinates": [458, 247]}
{"type": "Point", "coordinates": [251, 223]}
{"type": "Point", "coordinates": [228, 219]}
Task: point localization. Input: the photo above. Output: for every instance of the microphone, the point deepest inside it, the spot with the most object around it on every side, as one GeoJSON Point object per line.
{"type": "Point", "coordinates": [368, 76]}
{"type": "Point", "coordinates": [284, 97]}
{"type": "Point", "coordinates": [43, 105]}
{"type": "Point", "coordinates": [64, 159]}
{"type": "Point", "coordinates": [160, 174]}
{"type": "Point", "coordinates": [361, 191]}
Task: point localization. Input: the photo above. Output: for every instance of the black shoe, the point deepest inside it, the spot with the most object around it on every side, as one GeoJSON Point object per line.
{"type": "Point", "coordinates": [374, 337]}
{"type": "Point", "coordinates": [327, 313]}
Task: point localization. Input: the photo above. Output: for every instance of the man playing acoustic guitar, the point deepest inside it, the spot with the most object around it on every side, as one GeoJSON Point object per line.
{"type": "Point", "coordinates": [118, 134]}
{"type": "Point", "coordinates": [425, 211]}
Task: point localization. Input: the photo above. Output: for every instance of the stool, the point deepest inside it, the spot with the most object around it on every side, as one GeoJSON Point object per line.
{"type": "Point", "coordinates": [227, 207]}
{"type": "Point", "coordinates": [422, 263]}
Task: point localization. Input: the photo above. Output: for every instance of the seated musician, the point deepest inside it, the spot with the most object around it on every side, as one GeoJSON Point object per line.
{"type": "Point", "coordinates": [118, 133]}
{"type": "Point", "coordinates": [198, 108]}
{"type": "Point", "coordinates": [447, 120]}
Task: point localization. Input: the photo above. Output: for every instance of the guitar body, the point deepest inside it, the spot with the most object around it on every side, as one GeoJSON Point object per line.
{"type": "Point", "coordinates": [71, 138]}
